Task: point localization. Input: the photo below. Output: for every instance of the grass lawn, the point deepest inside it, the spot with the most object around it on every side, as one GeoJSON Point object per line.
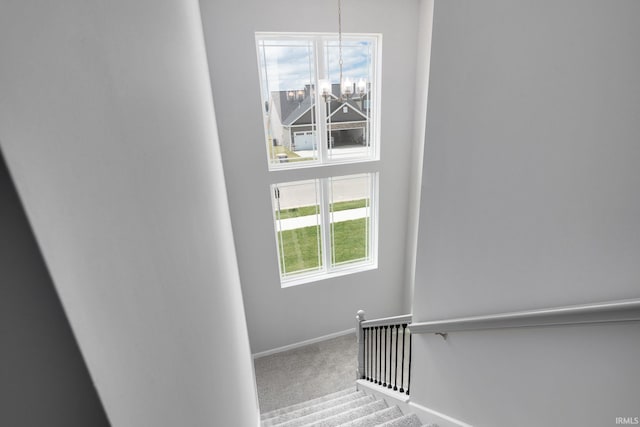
{"type": "Point", "coordinates": [349, 240]}
{"type": "Point", "coordinates": [300, 248]}
{"type": "Point", "coordinates": [291, 156]}
{"type": "Point", "coordinates": [296, 212]}
{"type": "Point", "coordinates": [315, 209]}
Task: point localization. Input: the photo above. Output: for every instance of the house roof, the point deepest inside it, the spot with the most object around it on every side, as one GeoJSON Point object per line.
{"type": "Point", "coordinates": [302, 107]}
{"type": "Point", "coordinates": [300, 111]}
{"type": "Point", "coordinates": [353, 112]}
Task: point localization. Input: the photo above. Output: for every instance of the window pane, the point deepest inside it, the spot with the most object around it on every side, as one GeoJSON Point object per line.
{"type": "Point", "coordinates": [350, 216]}
{"type": "Point", "coordinates": [349, 117]}
{"type": "Point", "coordinates": [298, 226]}
{"type": "Point", "coordinates": [287, 75]}
{"type": "Point", "coordinates": [311, 115]}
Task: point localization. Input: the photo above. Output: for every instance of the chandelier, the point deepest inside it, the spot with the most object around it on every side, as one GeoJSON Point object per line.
{"type": "Point", "coordinates": [347, 88]}
{"type": "Point", "coordinates": [346, 85]}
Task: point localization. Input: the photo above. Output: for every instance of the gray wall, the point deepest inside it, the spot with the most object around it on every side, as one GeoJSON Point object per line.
{"type": "Point", "coordinates": [277, 317]}
{"type": "Point", "coordinates": [108, 127]}
{"type": "Point", "coordinates": [530, 200]}
{"type": "Point", "coordinates": [44, 378]}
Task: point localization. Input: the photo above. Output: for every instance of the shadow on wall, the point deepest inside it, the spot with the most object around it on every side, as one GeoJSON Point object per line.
{"type": "Point", "coordinates": [44, 378]}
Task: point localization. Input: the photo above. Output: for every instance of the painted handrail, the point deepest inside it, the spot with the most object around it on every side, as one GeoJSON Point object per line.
{"type": "Point", "coordinates": [405, 318]}
{"type": "Point", "coordinates": [601, 312]}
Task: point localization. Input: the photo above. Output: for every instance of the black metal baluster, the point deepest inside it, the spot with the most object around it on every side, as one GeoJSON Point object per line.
{"type": "Point", "coordinates": [395, 381]}
{"type": "Point", "coordinates": [390, 353]}
{"type": "Point", "coordinates": [390, 346]}
{"type": "Point", "coordinates": [379, 357]}
{"type": "Point", "coordinates": [384, 359]}
{"type": "Point", "coordinates": [364, 357]}
{"type": "Point", "coordinates": [375, 356]}
{"type": "Point", "coordinates": [375, 359]}
{"type": "Point", "coordinates": [409, 374]}
{"type": "Point", "coordinates": [384, 355]}
{"type": "Point", "coordinates": [370, 354]}
{"type": "Point", "coordinates": [402, 365]}
{"type": "Point", "coordinates": [386, 341]}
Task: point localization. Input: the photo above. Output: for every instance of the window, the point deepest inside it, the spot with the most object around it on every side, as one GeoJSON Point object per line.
{"type": "Point", "coordinates": [325, 225]}
{"type": "Point", "coordinates": [306, 120]}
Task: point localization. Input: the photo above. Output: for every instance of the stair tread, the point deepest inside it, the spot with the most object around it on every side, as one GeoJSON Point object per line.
{"type": "Point", "coordinates": [409, 420]}
{"type": "Point", "coordinates": [376, 418]}
{"type": "Point", "coordinates": [345, 408]}
{"type": "Point", "coordinates": [353, 414]}
{"type": "Point", "coordinates": [309, 409]}
{"type": "Point", "coordinates": [326, 413]}
{"type": "Point", "coordinates": [311, 402]}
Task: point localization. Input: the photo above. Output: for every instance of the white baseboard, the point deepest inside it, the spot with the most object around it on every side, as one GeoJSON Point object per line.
{"type": "Point", "coordinates": [431, 416]}
{"type": "Point", "coordinates": [427, 416]}
{"type": "Point", "coordinates": [303, 343]}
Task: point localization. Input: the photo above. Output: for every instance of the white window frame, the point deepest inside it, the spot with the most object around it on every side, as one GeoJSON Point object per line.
{"type": "Point", "coordinates": [323, 166]}
{"type": "Point", "coordinates": [327, 270]}
{"type": "Point", "coordinates": [323, 157]}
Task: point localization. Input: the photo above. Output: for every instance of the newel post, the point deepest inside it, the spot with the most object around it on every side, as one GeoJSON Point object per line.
{"type": "Point", "coordinates": [360, 335]}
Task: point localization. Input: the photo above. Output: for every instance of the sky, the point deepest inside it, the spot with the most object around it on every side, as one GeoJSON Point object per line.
{"type": "Point", "coordinates": [289, 65]}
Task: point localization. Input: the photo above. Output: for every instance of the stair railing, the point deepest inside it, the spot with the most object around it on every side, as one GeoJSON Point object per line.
{"type": "Point", "coordinates": [384, 351]}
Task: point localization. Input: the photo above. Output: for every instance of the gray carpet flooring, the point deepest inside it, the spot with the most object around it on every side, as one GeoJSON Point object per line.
{"type": "Point", "coordinates": [306, 373]}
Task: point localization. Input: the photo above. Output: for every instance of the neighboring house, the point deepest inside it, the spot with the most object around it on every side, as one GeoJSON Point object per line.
{"type": "Point", "coordinates": [292, 119]}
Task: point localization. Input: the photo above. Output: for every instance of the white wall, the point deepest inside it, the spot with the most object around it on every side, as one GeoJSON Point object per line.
{"type": "Point", "coordinates": [277, 317]}
{"type": "Point", "coordinates": [557, 376]}
{"type": "Point", "coordinates": [107, 124]}
{"type": "Point", "coordinates": [530, 200]}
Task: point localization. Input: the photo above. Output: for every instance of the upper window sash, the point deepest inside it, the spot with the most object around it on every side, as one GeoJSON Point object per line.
{"type": "Point", "coordinates": [302, 127]}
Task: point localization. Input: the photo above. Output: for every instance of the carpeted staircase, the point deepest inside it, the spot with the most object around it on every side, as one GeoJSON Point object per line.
{"type": "Point", "coordinates": [346, 408]}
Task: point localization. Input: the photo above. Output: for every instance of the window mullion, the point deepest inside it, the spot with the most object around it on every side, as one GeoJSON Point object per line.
{"type": "Point", "coordinates": [321, 113]}
{"type": "Point", "coordinates": [279, 237]}
{"type": "Point", "coordinates": [325, 200]}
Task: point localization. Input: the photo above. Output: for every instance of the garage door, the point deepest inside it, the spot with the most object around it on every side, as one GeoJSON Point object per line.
{"type": "Point", "coordinates": [304, 141]}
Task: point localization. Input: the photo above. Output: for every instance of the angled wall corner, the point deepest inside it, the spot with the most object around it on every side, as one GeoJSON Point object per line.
{"type": "Point", "coordinates": [45, 380]}
{"type": "Point", "coordinates": [108, 127]}
{"type": "Point", "coordinates": [423, 63]}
